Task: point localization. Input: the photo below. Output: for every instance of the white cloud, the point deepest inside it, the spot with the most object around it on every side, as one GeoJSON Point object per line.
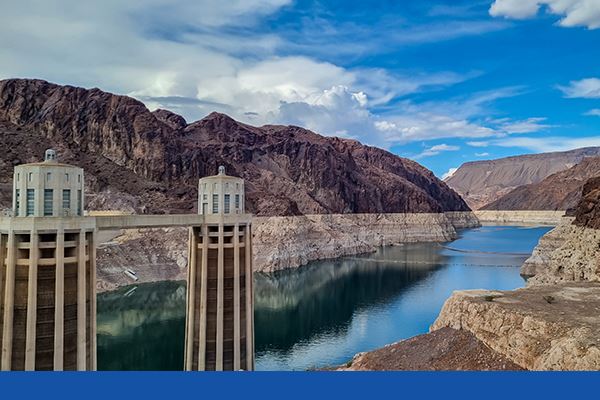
{"type": "Point", "coordinates": [479, 144]}
{"type": "Point", "coordinates": [435, 150]}
{"type": "Point", "coordinates": [528, 125]}
{"type": "Point", "coordinates": [482, 154]}
{"type": "Point", "coordinates": [573, 12]}
{"type": "Point", "coordinates": [547, 144]}
{"type": "Point", "coordinates": [595, 112]}
{"type": "Point", "coordinates": [335, 111]}
{"type": "Point", "coordinates": [586, 88]}
{"type": "Point", "coordinates": [448, 174]}
{"type": "Point", "coordinates": [186, 56]}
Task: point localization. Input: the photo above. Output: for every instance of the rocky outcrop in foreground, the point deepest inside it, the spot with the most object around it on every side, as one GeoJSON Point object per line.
{"type": "Point", "coordinates": [440, 350]}
{"type": "Point", "coordinates": [278, 243]}
{"type": "Point", "coordinates": [553, 323]}
{"type": "Point", "coordinates": [555, 327]}
{"type": "Point", "coordinates": [150, 162]}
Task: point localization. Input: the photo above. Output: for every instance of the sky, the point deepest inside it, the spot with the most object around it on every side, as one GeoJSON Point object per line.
{"type": "Point", "coordinates": [442, 82]}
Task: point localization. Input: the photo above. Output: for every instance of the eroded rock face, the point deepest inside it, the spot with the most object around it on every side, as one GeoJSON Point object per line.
{"type": "Point", "coordinates": [504, 217]}
{"type": "Point", "coordinates": [157, 157]}
{"type": "Point", "coordinates": [289, 242]}
{"type": "Point", "coordinates": [278, 243]}
{"type": "Point", "coordinates": [568, 253]}
{"type": "Point", "coordinates": [587, 213]}
{"type": "Point", "coordinates": [541, 256]}
{"type": "Point", "coordinates": [153, 255]}
{"type": "Point", "coordinates": [539, 328]}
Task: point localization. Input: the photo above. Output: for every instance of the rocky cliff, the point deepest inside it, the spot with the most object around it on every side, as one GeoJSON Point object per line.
{"type": "Point", "coordinates": [150, 161]}
{"type": "Point", "coordinates": [571, 251]}
{"type": "Point", "coordinates": [587, 213]}
{"type": "Point", "coordinates": [553, 323]}
{"type": "Point", "coordinates": [289, 242]}
{"type": "Point", "coordinates": [278, 243]}
{"type": "Point", "coordinates": [483, 182]}
{"type": "Point", "coordinates": [554, 327]}
{"type": "Point", "coordinates": [559, 191]}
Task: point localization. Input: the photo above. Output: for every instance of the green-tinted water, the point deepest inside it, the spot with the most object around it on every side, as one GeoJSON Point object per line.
{"type": "Point", "coordinates": [326, 312]}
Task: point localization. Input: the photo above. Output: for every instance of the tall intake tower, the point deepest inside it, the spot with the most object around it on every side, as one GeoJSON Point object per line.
{"type": "Point", "coordinates": [48, 271]}
{"type": "Point", "coordinates": [220, 304]}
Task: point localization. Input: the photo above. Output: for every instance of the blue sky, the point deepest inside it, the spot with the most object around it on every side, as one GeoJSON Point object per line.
{"type": "Point", "coordinates": [442, 82]}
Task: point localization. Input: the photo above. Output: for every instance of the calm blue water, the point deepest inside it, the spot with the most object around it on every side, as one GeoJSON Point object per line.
{"type": "Point", "coordinates": [326, 312]}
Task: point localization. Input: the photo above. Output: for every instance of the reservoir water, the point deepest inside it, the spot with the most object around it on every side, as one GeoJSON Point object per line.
{"type": "Point", "coordinates": [324, 313]}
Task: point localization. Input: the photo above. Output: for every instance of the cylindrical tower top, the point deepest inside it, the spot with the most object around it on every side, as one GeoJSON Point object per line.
{"type": "Point", "coordinates": [221, 194]}
{"type": "Point", "coordinates": [48, 189]}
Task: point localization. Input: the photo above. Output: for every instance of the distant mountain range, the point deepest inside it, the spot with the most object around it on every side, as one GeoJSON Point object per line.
{"type": "Point", "coordinates": [150, 161]}
{"type": "Point", "coordinates": [490, 184]}
{"type": "Point", "coordinates": [559, 191]}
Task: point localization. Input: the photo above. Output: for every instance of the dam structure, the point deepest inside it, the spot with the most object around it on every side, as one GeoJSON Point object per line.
{"type": "Point", "coordinates": [48, 272]}
{"type": "Point", "coordinates": [220, 309]}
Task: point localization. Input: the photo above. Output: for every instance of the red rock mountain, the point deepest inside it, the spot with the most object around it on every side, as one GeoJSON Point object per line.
{"type": "Point", "coordinates": [151, 161]}
{"type": "Point", "coordinates": [559, 191]}
{"type": "Point", "coordinates": [483, 182]}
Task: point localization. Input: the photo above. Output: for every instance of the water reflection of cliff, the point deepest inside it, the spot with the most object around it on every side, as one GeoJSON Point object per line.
{"type": "Point", "coordinates": [293, 306]}
{"type": "Point", "coordinates": [143, 328]}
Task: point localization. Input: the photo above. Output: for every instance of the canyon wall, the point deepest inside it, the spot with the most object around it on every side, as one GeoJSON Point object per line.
{"type": "Point", "coordinates": [554, 322]}
{"type": "Point", "coordinates": [288, 242]}
{"type": "Point", "coordinates": [278, 243]}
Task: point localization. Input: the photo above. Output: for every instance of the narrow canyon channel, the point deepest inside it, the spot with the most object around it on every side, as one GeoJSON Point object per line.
{"type": "Point", "coordinates": [326, 312]}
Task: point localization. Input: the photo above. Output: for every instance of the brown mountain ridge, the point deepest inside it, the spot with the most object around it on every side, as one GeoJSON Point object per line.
{"type": "Point", "coordinates": [559, 191]}
{"type": "Point", "coordinates": [483, 182]}
{"type": "Point", "coordinates": [150, 161]}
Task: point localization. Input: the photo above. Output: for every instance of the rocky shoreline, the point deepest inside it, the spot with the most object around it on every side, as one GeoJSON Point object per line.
{"type": "Point", "coordinates": [290, 242]}
{"type": "Point", "coordinates": [551, 324]}
{"type": "Point", "coordinates": [279, 243]}
{"type": "Point", "coordinates": [516, 217]}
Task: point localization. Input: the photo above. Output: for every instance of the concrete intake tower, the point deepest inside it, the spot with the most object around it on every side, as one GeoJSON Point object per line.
{"type": "Point", "coordinates": [48, 271]}
{"type": "Point", "coordinates": [220, 304]}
